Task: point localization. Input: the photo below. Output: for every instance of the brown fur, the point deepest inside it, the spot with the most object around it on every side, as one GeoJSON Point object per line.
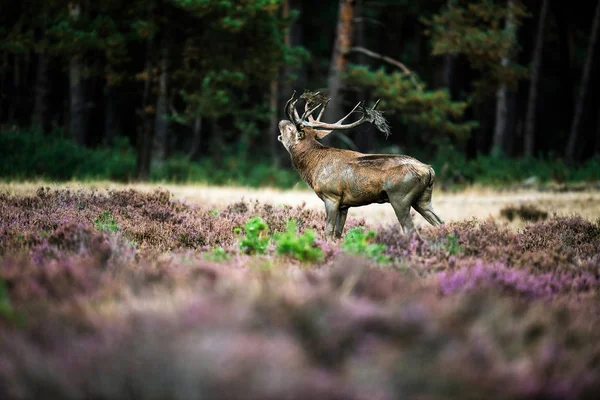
{"type": "Point", "coordinates": [345, 178]}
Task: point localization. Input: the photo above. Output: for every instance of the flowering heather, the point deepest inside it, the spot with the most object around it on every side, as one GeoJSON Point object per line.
{"type": "Point", "coordinates": [121, 295]}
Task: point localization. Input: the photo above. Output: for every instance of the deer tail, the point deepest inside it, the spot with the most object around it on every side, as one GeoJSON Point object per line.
{"type": "Point", "coordinates": [431, 176]}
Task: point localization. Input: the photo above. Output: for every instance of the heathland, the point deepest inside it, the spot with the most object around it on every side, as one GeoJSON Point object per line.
{"type": "Point", "coordinates": [112, 291]}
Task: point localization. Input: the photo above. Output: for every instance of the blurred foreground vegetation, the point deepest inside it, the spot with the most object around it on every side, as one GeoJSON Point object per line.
{"type": "Point", "coordinates": [121, 294]}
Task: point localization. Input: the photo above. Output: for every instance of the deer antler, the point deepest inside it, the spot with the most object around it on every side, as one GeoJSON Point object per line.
{"type": "Point", "coordinates": [368, 115]}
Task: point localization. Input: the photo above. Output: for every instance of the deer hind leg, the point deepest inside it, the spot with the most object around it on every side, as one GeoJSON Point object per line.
{"type": "Point", "coordinates": [402, 211]}
{"type": "Point", "coordinates": [424, 207]}
{"type": "Point", "coordinates": [340, 222]}
{"type": "Point", "coordinates": [401, 203]}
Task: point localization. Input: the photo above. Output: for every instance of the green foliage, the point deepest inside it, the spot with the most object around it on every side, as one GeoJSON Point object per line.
{"type": "Point", "coordinates": [256, 237]}
{"type": "Point", "coordinates": [301, 247]}
{"type": "Point", "coordinates": [452, 246]}
{"type": "Point", "coordinates": [357, 241]}
{"type": "Point", "coordinates": [431, 111]}
{"type": "Point", "coordinates": [247, 48]}
{"type": "Point", "coordinates": [218, 254]}
{"type": "Point", "coordinates": [478, 30]}
{"type": "Point", "coordinates": [234, 170]}
{"type": "Point", "coordinates": [451, 166]}
{"type": "Point", "coordinates": [30, 154]}
{"type": "Point", "coordinates": [105, 222]}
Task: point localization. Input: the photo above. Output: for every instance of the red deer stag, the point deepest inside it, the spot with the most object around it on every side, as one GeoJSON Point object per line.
{"type": "Point", "coordinates": [345, 178]}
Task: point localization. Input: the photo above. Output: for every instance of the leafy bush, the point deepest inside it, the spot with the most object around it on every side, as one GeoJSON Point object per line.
{"type": "Point", "coordinates": [233, 170]}
{"type": "Point", "coordinates": [301, 247]}
{"type": "Point", "coordinates": [256, 239]}
{"type": "Point", "coordinates": [498, 169]}
{"type": "Point", "coordinates": [106, 223]}
{"type": "Point", "coordinates": [30, 154]}
{"type": "Point", "coordinates": [452, 246]}
{"type": "Point", "coordinates": [359, 242]}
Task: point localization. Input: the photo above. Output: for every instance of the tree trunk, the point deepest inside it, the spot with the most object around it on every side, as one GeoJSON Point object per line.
{"type": "Point", "coordinates": [500, 139]}
{"type": "Point", "coordinates": [13, 104]}
{"type": "Point", "coordinates": [216, 145]}
{"type": "Point", "coordinates": [196, 139]}
{"type": "Point", "coordinates": [364, 141]}
{"type": "Point", "coordinates": [585, 79]}
{"type": "Point", "coordinates": [291, 77]}
{"type": "Point", "coordinates": [77, 106]}
{"type": "Point", "coordinates": [565, 41]}
{"type": "Point", "coordinates": [112, 115]}
{"type": "Point", "coordinates": [449, 64]}
{"type": "Point", "coordinates": [337, 66]}
{"type": "Point", "coordinates": [145, 135]}
{"type": "Point", "coordinates": [597, 148]}
{"type": "Point", "coordinates": [273, 130]}
{"type": "Point", "coordinates": [529, 143]}
{"type": "Point", "coordinates": [41, 91]}
{"type": "Point", "coordinates": [161, 124]}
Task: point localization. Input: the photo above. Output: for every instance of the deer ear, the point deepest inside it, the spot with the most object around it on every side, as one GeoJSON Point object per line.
{"type": "Point", "coordinates": [300, 135]}
{"type": "Point", "coordinates": [321, 134]}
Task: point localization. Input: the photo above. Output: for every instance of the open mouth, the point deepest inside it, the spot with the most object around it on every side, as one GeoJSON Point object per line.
{"type": "Point", "coordinates": [279, 138]}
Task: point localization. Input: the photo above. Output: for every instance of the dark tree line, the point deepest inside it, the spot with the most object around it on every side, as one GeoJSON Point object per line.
{"type": "Point", "coordinates": [209, 78]}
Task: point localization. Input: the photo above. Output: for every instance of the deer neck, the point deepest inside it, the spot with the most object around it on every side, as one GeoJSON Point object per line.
{"type": "Point", "coordinates": [306, 157]}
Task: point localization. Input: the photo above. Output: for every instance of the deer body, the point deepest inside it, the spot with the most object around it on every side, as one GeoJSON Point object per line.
{"type": "Point", "coordinates": [345, 178]}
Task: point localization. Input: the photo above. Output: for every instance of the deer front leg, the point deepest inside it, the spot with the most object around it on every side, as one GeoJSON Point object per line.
{"type": "Point", "coordinates": [331, 209]}
{"type": "Point", "coordinates": [341, 221]}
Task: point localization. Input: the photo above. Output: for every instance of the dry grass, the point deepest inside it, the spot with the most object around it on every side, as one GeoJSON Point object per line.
{"type": "Point", "coordinates": [479, 203]}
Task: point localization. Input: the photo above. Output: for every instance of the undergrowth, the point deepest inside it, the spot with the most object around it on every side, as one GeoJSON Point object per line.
{"type": "Point", "coordinates": [301, 247]}
{"type": "Point", "coordinates": [27, 155]}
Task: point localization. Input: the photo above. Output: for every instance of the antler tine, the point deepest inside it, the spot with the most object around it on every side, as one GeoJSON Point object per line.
{"type": "Point", "coordinates": [376, 104]}
{"type": "Point", "coordinates": [296, 117]}
{"type": "Point", "coordinates": [290, 109]}
{"type": "Point", "coordinates": [322, 110]}
{"type": "Point", "coordinates": [310, 117]}
{"type": "Point", "coordinates": [307, 112]}
{"type": "Point", "coordinates": [338, 125]}
{"type": "Point", "coordinates": [350, 113]}
{"type": "Point", "coordinates": [287, 106]}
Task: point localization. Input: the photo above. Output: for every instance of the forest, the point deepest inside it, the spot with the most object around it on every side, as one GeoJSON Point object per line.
{"type": "Point", "coordinates": [192, 90]}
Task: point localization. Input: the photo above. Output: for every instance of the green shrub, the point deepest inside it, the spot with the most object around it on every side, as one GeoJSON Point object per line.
{"type": "Point", "coordinates": [359, 242]}
{"type": "Point", "coordinates": [31, 154]}
{"type": "Point", "coordinates": [178, 169]}
{"type": "Point", "coordinates": [106, 223]}
{"type": "Point", "coordinates": [453, 167]}
{"type": "Point", "coordinates": [301, 247]}
{"type": "Point", "coordinates": [452, 246]}
{"type": "Point", "coordinates": [256, 239]}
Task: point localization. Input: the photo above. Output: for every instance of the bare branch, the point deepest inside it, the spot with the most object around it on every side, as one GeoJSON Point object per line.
{"type": "Point", "coordinates": [388, 60]}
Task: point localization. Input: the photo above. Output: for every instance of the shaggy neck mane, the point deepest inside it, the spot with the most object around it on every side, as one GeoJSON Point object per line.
{"type": "Point", "coordinates": [306, 154]}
